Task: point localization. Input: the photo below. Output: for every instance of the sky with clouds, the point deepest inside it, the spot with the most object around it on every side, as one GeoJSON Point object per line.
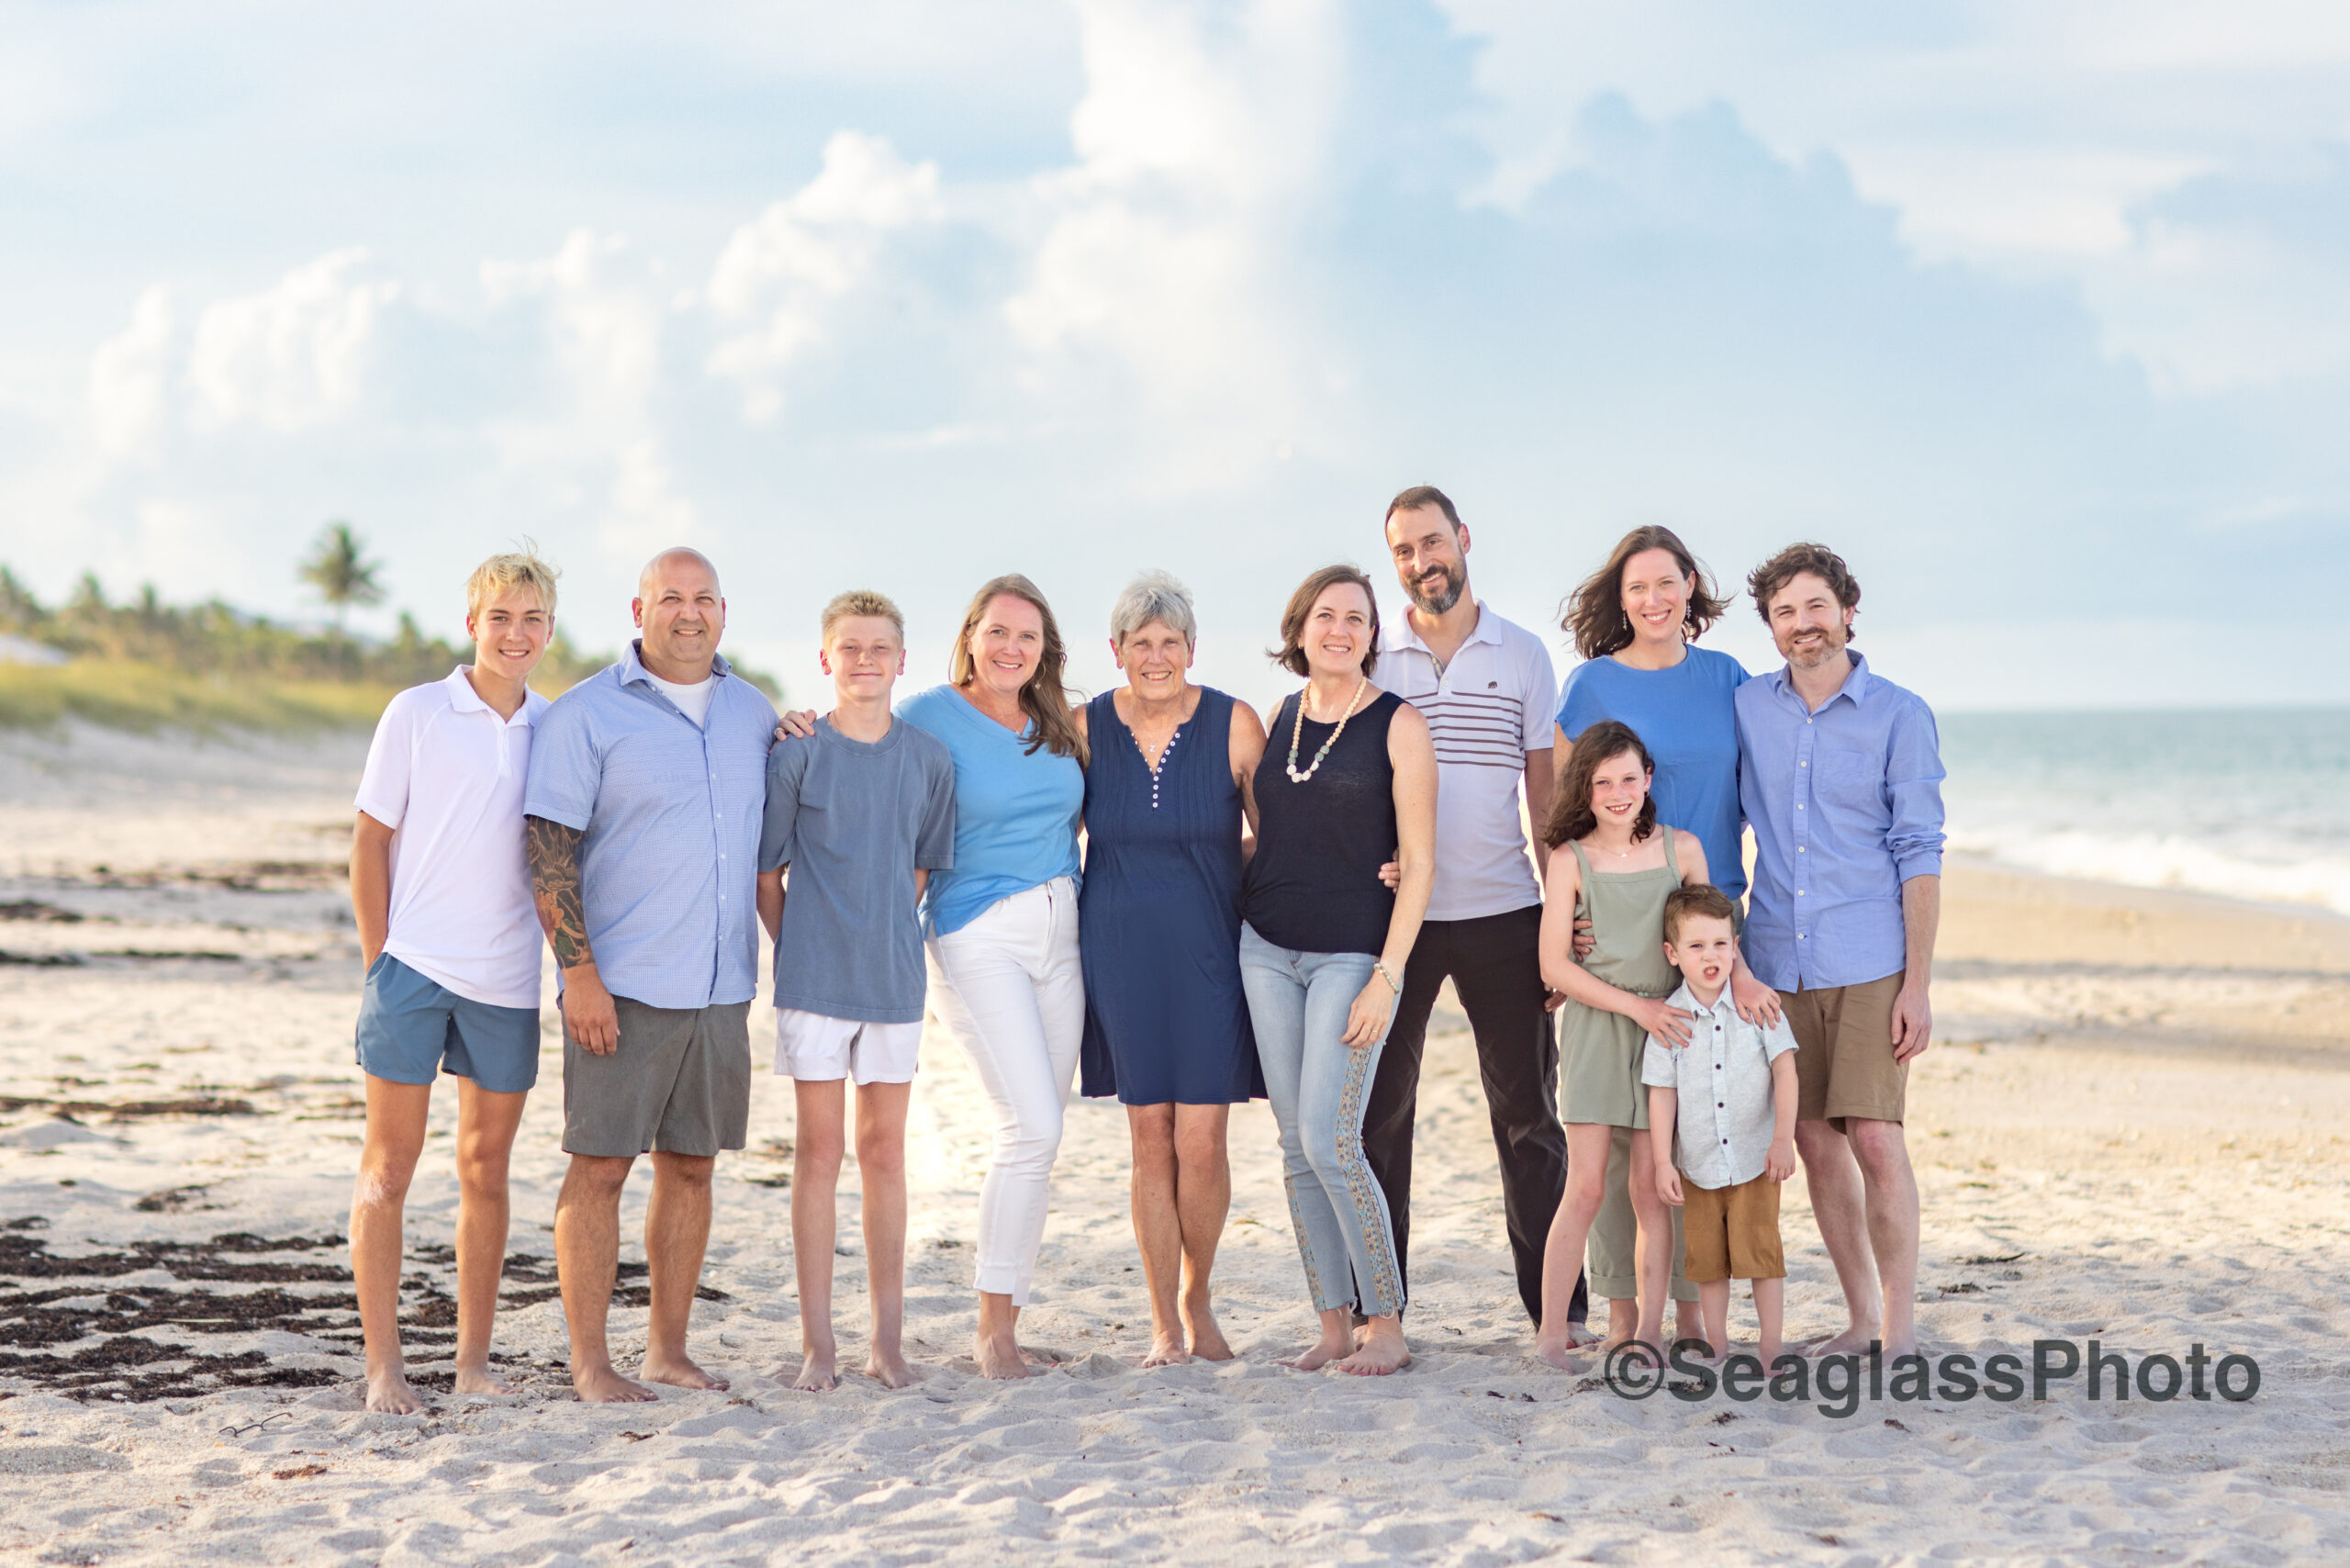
{"type": "Point", "coordinates": [2041, 315]}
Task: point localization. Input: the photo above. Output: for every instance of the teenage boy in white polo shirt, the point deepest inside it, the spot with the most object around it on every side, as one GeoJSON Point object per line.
{"type": "Point", "coordinates": [442, 895]}
{"type": "Point", "coordinates": [1486, 688]}
{"type": "Point", "coordinates": [860, 812]}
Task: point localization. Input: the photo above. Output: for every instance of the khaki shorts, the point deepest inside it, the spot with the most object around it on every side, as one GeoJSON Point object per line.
{"type": "Point", "coordinates": [1733, 1232]}
{"type": "Point", "coordinates": [680, 1083]}
{"type": "Point", "coordinates": [1845, 1064]}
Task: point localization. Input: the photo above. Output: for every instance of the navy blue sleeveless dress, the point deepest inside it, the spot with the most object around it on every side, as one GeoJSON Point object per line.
{"type": "Point", "coordinates": [1159, 908]}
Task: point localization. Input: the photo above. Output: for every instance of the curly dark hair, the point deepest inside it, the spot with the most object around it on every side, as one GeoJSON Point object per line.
{"type": "Point", "coordinates": [1570, 816]}
{"type": "Point", "coordinates": [1794, 561]}
{"type": "Point", "coordinates": [1594, 612]}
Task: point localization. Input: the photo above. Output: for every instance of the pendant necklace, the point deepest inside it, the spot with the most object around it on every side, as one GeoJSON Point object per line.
{"type": "Point", "coordinates": [1297, 731]}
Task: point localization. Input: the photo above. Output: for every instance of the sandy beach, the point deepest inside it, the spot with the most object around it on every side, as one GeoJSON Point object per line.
{"type": "Point", "coordinates": [2131, 1128]}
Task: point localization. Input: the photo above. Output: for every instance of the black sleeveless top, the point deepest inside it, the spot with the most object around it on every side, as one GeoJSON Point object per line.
{"type": "Point", "coordinates": [1313, 885]}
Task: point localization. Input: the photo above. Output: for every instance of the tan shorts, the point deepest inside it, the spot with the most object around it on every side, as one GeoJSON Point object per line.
{"type": "Point", "coordinates": [1845, 1064]}
{"type": "Point", "coordinates": [680, 1083]}
{"type": "Point", "coordinates": [1733, 1232]}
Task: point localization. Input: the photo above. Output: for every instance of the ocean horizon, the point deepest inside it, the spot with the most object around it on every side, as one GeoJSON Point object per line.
{"type": "Point", "coordinates": [2249, 803]}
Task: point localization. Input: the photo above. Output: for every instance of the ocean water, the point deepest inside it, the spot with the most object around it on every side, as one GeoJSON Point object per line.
{"type": "Point", "coordinates": [2253, 804]}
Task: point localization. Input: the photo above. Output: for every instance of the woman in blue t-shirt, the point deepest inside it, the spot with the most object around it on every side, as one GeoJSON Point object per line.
{"type": "Point", "coordinates": [1000, 924]}
{"type": "Point", "coordinates": [1636, 621]}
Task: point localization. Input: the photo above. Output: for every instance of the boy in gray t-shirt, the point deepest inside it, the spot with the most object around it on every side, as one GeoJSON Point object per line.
{"type": "Point", "coordinates": [861, 812]}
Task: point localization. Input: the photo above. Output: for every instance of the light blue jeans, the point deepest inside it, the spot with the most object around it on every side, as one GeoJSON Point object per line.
{"type": "Point", "coordinates": [1317, 1082]}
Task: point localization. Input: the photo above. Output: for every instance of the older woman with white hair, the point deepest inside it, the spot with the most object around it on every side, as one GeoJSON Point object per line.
{"type": "Point", "coordinates": [1166, 1024]}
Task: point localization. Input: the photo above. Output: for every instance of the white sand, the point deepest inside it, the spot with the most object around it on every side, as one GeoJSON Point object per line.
{"type": "Point", "coordinates": [2152, 1158]}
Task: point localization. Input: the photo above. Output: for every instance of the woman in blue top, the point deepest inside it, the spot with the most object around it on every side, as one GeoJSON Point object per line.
{"type": "Point", "coordinates": [1001, 924]}
{"type": "Point", "coordinates": [1636, 621]}
{"type": "Point", "coordinates": [1166, 1022]}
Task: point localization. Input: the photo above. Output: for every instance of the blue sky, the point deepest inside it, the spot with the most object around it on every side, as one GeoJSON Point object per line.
{"type": "Point", "coordinates": [2041, 315]}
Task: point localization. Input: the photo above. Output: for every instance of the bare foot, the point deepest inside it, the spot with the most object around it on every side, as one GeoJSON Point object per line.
{"type": "Point", "coordinates": [605, 1386]}
{"type": "Point", "coordinates": [816, 1371]}
{"type": "Point", "coordinates": [1851, 1341]}
{"type": "Point", "coordinates": [1579, 1336]}
{"type": "Point", "coordinates": [678, 1371]}
{"type": "Point", "coordinates": [1324, 1351]}
{"type": "Point", "coordinates": [1208, 1342]}
{"type": "Point", "coordinates": [999, 1358]}
{"type": "Point", "coordinates": [1558, 1350]}
{"type": "Point", "coordinates": [389, 1392]}
{"type": "Point", "coordinates": [889, 1368]}
{"type": "Point", "coordinates": [481, 1379]}
{"type": "Point", "coordinates": [1383, 1351]}
{"type": "Point", "coordinates": [1166, 1350]}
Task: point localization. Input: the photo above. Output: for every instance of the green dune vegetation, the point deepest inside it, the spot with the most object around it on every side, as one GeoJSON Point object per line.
{"type": "Point", "coordinates": [147, 664]}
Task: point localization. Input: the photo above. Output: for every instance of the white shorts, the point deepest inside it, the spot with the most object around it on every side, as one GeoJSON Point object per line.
{"type": "Point", "coordinates": [819, 1049]}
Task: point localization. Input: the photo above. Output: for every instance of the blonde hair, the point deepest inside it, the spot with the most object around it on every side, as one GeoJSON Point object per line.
{"type": "Point", "coordinates": [861, 601]}
{"type": "Point", "coordinates": [516, 568]}
{"type": "Point", "coordinates": [1044, 699]}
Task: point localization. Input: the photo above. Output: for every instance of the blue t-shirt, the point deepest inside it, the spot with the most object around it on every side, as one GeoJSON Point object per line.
{"type": "Point", "coordinates": [1015, 811]}
{"type": "Point", "coordinates": [1688, 719]}
{"type": "Point", "coordinates": [854, 820]}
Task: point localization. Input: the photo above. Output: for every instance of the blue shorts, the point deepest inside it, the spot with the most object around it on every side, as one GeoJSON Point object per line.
{"type": "Point", "coordinates": [412, 1028]}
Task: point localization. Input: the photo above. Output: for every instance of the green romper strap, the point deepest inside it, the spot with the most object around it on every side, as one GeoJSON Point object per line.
{"type": "Point", "coordinates": [1581, 864]}
{"type": "Point", "coordinates": [1671, 860]}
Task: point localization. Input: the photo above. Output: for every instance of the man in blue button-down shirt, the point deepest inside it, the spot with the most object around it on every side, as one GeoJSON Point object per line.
{"type": "Point", "coordinates": [1840, 773]}
{"type": "Point", "coordinates": [647, 790]}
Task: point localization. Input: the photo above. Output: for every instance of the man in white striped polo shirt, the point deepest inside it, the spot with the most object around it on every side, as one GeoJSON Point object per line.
{"type": "Point", "coordinates": [1487, 688]}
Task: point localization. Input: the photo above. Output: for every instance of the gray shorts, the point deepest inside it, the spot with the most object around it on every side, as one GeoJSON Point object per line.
{"type": "Point", "coordinates": [680, 1082]}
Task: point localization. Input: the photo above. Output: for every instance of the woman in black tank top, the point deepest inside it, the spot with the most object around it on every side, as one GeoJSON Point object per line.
{"type": "Point", "coordinates": [1347, 782]}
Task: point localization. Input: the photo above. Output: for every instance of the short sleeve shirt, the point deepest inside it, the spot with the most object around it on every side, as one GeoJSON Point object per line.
{"type": "Point", "coordinates": [1016, 810]}
{"type": "Point", "coordinates": [445, 774]}
{"type": "Point", "coordinates": [854, 820]}
{"type": "Point", "coordinates": [1486, 710]}
{"type": "Point", "coordinates": [1687, 717]}
{"type": "Point", "coordinates": [671, 812]}
{"type": "Point", "coordinates": [1724, 1112]}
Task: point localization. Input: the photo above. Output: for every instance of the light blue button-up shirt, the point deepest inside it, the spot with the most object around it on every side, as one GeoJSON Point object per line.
{"type": "Point", "coordinates": [1846, 805]}
{"type": "Point", "coordinates": [671, 810]}
{"type": "Point", "coordinates": [1725, 1107]}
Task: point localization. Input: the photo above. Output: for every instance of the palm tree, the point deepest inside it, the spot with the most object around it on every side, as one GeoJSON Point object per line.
{"type": "Point", "coordinates": [338, 570]}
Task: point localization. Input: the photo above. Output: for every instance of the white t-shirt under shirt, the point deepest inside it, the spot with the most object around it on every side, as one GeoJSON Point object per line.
{"type": "Point", "coordinates": [445, 774]}
{"type": "Point", "coordinates": [693, 701]}
{"type": "Point", "coordinates": [1490, 707]}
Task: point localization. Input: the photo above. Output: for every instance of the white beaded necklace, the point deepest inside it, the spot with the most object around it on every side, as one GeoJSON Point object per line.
{"type": "Point", "coordinates": [1297, 731]}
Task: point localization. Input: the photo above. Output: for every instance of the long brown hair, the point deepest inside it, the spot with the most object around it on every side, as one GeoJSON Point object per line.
{"type": "Point", "coordinates": [1044, 699]}
{"type": "Point", "coordinates": [1570, 816]}
{"type": "Point", "coordinates": [1290, 654]}
{"type": "Point", "coordinates": [1594, 611]}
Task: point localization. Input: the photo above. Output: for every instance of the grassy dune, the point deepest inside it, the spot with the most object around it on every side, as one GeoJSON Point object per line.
{"type": "Point", "coordinates": [126, 695]}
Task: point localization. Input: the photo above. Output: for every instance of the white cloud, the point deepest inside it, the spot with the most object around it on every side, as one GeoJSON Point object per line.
{"type": "Point", "coordinates": [293, 356]}
{"type": "Point", "coordinates": [130, 379]}
{"type": "Point", "coordinates": [1165, 285]}
{"type": "Point", "coordinates": [590, 444]}
{"type": "Point", "coordinates": [782, 277]}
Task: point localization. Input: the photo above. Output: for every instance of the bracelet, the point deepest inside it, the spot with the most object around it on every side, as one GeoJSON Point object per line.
{"type": "Point", "coordinates": [1381, 965]}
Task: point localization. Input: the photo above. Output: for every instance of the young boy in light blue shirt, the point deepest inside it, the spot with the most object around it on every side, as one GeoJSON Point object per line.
{"type": "Point", "coordinates": [1729, 1097]}
{"type": "Point", "coordinates": [860, 813]}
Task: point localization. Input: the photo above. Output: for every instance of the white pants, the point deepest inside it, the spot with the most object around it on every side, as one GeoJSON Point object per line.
{"type": "Point", "coordinates": [1009, 989]}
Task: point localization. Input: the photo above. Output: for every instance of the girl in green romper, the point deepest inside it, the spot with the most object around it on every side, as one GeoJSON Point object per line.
{"type": "Point", "coordinates": [1622, 863]}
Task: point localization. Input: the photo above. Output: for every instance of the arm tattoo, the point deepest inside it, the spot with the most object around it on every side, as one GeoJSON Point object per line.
{"type": "Point", "coordinates": [554, 888]}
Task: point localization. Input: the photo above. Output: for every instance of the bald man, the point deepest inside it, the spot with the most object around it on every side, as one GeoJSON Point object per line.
{"type": "Point", "coordinates": [646, 792]}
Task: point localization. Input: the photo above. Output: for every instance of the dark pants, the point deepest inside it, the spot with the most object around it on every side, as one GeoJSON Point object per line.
{"type": "Point", "coordinates": [1494, 970]}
